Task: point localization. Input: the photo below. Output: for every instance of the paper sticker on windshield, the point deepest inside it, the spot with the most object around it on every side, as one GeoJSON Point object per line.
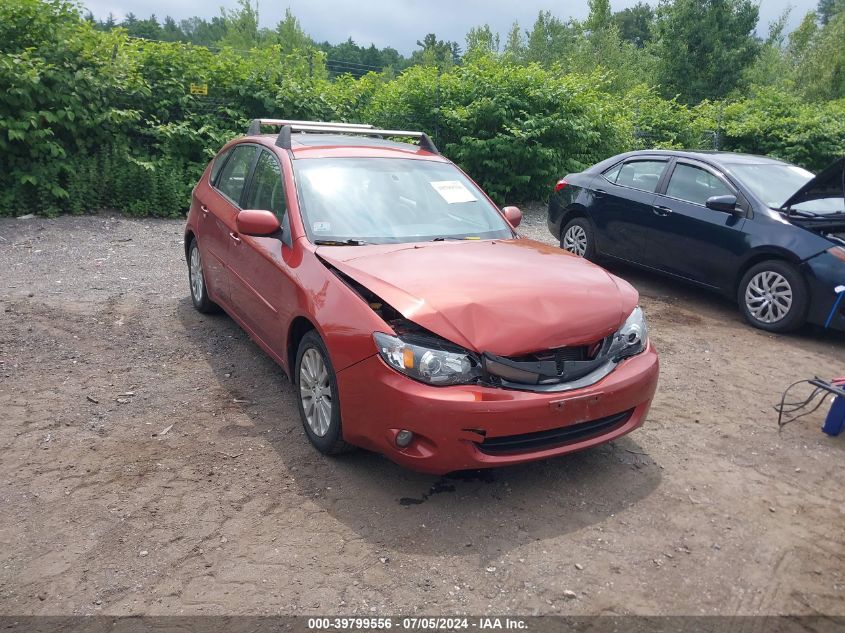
{"type": "Point", "coordinates": [322, 227]}
{"type": "Point", "coordinates": [453, 191]}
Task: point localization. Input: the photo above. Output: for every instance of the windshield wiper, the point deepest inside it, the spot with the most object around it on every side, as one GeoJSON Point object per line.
{"type": "Point", "coordinates": [449, 237]}
{"type": "Point", "coordinates": [340, 242]}
{"type": "Point", "coordinates": [803, 214]}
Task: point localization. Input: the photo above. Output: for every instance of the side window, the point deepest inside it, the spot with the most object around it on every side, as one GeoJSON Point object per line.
{"type": "Point", "coordinates": [267, 190]}
{"type": "Point", "coordinates": [612, 173]}
{"type": "Point", "coordinates": [641, 174]}
{"type": "Point", "coordinates": [232, 177]}
{"type": "Point", "coordinates": [695, 185]}
{"type": "Point", "coordinates": [219, 161]}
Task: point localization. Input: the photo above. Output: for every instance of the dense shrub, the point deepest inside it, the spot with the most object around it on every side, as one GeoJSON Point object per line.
{"type": "Point", "coordinates": [92, 119]}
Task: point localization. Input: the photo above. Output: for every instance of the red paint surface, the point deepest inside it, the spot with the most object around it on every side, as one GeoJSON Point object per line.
{"type": "Point", "coordinates": [507, 297]}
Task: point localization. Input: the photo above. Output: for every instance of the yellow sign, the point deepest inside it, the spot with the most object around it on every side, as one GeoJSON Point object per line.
{"type": "Point", "coordinates": [199, 89]}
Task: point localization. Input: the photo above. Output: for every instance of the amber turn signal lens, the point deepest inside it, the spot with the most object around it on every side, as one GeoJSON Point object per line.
{"type": "Point", "coordinates": [408, 358]}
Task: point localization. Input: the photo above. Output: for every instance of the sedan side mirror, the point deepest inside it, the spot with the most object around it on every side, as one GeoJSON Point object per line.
{"type": "Point", "coordinates": [257, 222]}
{"type": "Point", "coordinates": [725, 204]}
{"type": "Point", "coordinates": [513, 215]}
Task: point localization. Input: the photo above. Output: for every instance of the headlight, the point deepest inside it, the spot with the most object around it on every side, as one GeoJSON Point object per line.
{"type": "Point", "coordinates": [631, 338]}
{"type": "Point", "coordinates": [427, 364]}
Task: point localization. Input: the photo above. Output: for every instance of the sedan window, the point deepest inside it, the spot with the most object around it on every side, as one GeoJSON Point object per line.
{"type": "Point", "coordinates": [638, 174]}
{"type": "Point", "coordinates": [233, 176]}
{"type": "Point", "coordinates": [267, 191]}
{"type": "Point", "coordinates": [695, 185]}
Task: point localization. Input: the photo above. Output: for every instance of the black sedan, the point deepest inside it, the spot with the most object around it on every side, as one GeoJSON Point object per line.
{"type": "Point", "coordinates": [762, 231]}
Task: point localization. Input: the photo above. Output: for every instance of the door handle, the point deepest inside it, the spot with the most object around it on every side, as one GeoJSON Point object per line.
{"type": "Point", "coordinates": [662, 211]}
{"type": "Point", "coordinates": [598, 193]}
{"type": "Point", "coordinates": [204, 210]}
{"type": "Point", "coordinates": [234, 237]}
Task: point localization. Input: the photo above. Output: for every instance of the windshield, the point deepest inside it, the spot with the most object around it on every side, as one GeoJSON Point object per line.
{"type": "Point", "coordinates": [773, 183]}
{"type": "Point", "coordinates": [392, 200]}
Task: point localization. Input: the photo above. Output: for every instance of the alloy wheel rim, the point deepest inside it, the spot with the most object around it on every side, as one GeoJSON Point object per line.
{"type": "Point", "coordinates": [768, 296]}
{"type": "Point", "coordinates": [575, 240]}
{"type": "Point", "coordinates": [196, 274]}
{"type": "Point", "coordinates": [315, 391]}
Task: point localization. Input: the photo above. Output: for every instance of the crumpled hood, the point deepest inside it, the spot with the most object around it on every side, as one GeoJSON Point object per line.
{"type": "Point", "coordinates": [507, 297]}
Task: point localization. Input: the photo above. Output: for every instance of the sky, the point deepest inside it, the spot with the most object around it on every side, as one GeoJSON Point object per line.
{"type": "Point", "coordinates": [400, 23]}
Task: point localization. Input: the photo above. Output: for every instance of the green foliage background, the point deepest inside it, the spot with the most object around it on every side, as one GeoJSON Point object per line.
{"type": "Point", "coordinates": [93, 118]}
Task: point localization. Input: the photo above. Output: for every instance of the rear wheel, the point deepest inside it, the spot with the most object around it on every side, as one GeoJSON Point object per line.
{"type": "Point", "coordinates": [196, 280]}
{"type": "Point", "coordinates": [577, 238]}
{"type": "Point", "coordinates": [319, 405]}
{"type": "Point", "coordinates": [773, 296]}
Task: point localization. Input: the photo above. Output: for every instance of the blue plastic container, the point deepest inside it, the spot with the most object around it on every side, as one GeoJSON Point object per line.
{"type": "Point", "coordinates": [834, 424]}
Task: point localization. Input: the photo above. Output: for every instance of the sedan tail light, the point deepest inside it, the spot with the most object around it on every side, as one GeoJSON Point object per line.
{"type": "Point", "coordinates": [560, 184]}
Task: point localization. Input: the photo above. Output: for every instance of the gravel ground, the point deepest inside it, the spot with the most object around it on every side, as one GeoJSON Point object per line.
{"type": "Point", "coordinates": [153, 462]}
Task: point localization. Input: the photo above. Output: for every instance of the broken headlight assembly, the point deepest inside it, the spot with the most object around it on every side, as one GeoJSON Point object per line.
{"type": "Point", "coordinates": [631, 339]}
{"type": "Point", "coordinates": [428, 361]}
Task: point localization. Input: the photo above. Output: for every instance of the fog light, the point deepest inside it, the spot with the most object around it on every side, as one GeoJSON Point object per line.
{"type": "Point", "coordinates": [403, 438]}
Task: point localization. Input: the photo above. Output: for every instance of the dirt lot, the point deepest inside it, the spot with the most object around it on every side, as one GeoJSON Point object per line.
{"type": "Point", "coordinates": [153, 462]}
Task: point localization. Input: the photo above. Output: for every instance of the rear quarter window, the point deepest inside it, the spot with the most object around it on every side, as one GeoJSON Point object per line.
{"type": "Point", "coordinates": [217, 165]}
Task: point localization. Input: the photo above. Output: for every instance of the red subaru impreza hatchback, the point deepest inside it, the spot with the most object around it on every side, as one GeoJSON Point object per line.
{"type": "Point", "coordinates": [411, 317]}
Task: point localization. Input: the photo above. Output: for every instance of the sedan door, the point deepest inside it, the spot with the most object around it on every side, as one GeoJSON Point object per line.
{"type": "Point", "coordinates": [690, 240]}
{"type": "Point", "coordinates": [621, 209]}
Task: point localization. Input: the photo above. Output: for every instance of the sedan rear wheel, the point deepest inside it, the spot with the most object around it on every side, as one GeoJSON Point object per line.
{"type": "Point", "coordinates": [577, 238]}
{"type": "Point", "coordinates": [319, 406]}
{"type": "Point", "coordinates": [773, 296]}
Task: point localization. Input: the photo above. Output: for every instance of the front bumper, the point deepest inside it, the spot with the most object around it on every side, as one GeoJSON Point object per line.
{"type": "Point", "coordinates": [824, 273]}
{"type": "Point", "coordinates": [470, 426]}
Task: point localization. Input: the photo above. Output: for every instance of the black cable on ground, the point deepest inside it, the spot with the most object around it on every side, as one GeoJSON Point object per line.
{"type": "Point", "coordinates": [789, 408]}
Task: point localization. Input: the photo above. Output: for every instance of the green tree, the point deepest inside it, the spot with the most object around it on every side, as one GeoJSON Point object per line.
{"type": "Point", "coordinates": [703, 46]}
{"type": "Point", "coordinates": [600, 15]}
{"type": "Point", "coordinates": [820, 68]}
{"type": "Point", "coordinates": [550, 40]}
{"type": "Point", "coordinates": [827, 9]}
{"type": "Point", "coordinates": [481, 40]}
{"type": "Point", "coordinates": [170, 31]}
{"type": "Point", "coordinates": [291, 36]}
{"type": "Point", "coordinates": [772, 66]}
{"type": "Point", "coordinates": [242, 32]}
{"type": "Point", "coordinates": [148, 29]}
{"type": "Point", "coordinates": [515, 43]}
{"type": "Point", "coordinates": [434, 52]}
{"type": "Point", "coordinates": [635, 23]}
{"type": "Point", "coordinates": [204, 32]}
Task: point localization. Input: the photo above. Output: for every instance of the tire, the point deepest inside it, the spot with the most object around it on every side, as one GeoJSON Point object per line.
{"type": "Point", "coordinates": [577, 238]}
{"type": "Point", "coordinates": [773, 296]}
{"type": "Point", "coordinates": [321, 422]}
{"type": "Point", "coordinates": [196, 281]}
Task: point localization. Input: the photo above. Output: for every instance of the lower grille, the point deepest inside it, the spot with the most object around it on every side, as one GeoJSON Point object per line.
{"type": "Point", "coordinates": [553, 437]}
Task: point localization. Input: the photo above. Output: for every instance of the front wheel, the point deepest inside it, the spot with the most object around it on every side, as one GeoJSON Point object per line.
{"type": "Point", "coordinates": [577, 238]}
{"type": "Point", "coordinates": [319, 405]}
{"type": "Point", "coordinates": [773, 296]}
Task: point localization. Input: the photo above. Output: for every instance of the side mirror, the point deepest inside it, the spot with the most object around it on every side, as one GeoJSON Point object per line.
{"type": "Point", "coordinates": [513, 215]}
{"type": "Point", "coordinates": [255, 222]}
{"type": "Point", "coordinates": [725, 204]}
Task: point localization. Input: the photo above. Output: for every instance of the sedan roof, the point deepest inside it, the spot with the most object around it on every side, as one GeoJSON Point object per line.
{"type": "Point", "coordinates": [711, 156]}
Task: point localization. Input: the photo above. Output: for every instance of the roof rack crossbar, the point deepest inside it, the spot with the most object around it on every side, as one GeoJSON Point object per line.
{"type": "Point", "coordinates": [284, 138]}
{"type": "Point", "coordinates": [255, 125]}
